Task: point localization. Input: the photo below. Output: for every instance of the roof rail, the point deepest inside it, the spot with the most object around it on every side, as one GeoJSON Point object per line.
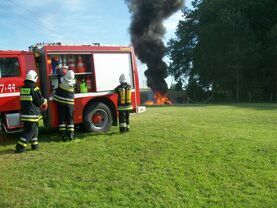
{"type": "Point", "coordinates": [40, 45]}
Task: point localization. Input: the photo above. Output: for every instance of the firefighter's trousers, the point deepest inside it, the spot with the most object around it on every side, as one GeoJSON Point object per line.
{"type": "Point", "coordinates": [30, 134]}
{"type": "Point", "coordinates": [66, 123]}
{"type": "Point", "coordinates": [124, 121]}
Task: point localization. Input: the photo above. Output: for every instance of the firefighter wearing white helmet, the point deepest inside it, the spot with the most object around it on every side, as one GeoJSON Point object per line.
{"type": "Point", "coordinates": [31, 101]}
{"type": "Point", "coordinates": [124, 103]}
{"type": "Point", "coordinates": [64, 96]}
{"type": "Point", "coordinates": [122, 78]}
{"type": "Point", "coordinates": [32, 76]}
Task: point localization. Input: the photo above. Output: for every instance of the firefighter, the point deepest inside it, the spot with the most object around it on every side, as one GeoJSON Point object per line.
{"type": "Point", "coordinates": [31, 101]}
{"type": "Point", "coordinates": [124, 104]}
{"type": "Point", "coordinates": [64, 96]}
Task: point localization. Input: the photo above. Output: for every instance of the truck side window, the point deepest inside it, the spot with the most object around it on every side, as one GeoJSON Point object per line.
{"type": "Point", "coordinates": [9, 67]}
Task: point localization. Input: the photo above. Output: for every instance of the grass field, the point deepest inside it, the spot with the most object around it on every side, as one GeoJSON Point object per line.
{"type": "Point", "coordinates": [176, 156]}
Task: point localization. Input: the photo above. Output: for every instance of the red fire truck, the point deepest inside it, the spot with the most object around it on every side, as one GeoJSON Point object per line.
{"type": "Point", "coordinates": [98, 66]}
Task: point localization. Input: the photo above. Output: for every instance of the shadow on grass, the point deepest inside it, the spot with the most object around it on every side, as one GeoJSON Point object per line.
{"type": "Point", "coordinates": [255, 106]}
{"type": "Point", "coordinates": [50, 135]}
{"type": "Point", "coordinates": [7, 152]}
{"type": "Point", "coordinates": [11, 151]}
{"type": "Point", "coordinates": [47, 135]}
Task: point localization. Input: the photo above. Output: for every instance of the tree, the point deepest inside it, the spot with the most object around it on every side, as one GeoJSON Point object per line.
{"type": "Point", "coordinates": [220, 47]}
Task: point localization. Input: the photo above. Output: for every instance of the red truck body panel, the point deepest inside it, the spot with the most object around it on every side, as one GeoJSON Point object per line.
{"type": "Point", "coordinates": [10, 86]}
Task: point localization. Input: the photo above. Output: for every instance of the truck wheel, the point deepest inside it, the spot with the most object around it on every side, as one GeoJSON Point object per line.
{"type": "Point", "coordinates": [97, 118]}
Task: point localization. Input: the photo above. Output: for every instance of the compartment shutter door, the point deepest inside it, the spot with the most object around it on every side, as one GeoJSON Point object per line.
{"type": "Point", "coordinates": [108, 68]}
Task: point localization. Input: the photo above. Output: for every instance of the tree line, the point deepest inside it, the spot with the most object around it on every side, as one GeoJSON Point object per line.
{"type": "Point", "coordinates": [228, 49]}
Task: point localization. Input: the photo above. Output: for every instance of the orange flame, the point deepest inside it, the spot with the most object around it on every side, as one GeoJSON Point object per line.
{"type": "Point", "coordinates": [149, 102]}
{"type": "Point", "coordinates": [160, 99]}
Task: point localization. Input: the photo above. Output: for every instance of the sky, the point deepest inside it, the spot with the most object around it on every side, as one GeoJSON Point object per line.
{"type": "Point", "coordinates": [26, 22]}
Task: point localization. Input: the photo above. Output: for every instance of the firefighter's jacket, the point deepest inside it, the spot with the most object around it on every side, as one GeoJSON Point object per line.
{"type": "Point", "coordinates": [64, 94]}
{"type": "Point", "coordinates": [30, 100]}
{"type": "Point", "coordinates": [124, 92]}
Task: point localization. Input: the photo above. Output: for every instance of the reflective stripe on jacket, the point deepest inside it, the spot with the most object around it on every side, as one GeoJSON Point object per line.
{"type": "Point", "coordinates": [63, 100]}
{"type": "Point", "coordinates": [31, 118]}
{"type": "Point", "coordinates": [64, 94]}
{"type": "Point", "coordinates": [30, 100]}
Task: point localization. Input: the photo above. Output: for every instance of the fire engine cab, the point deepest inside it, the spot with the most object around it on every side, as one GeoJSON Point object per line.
{"type": "Point", "coordinates": [97, 68]}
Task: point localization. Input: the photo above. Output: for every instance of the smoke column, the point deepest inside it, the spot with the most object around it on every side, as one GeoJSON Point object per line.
{"type": "Point", "coordinates": [147, 32]}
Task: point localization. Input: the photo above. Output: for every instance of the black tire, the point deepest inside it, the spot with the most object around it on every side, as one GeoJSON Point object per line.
{"type": "Point", "coordinates": [97, 118]}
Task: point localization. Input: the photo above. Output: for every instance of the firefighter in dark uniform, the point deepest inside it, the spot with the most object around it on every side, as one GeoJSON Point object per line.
{"type": "Point", "coordinates": [124, 104]}
{"type": "Point", "coordinates": [64, 96]}
{"type": "Point", "coordinates": [31, 101]}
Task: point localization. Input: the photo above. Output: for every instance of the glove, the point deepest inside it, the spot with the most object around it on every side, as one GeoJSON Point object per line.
{"type": "Point", "coordinates": [44, 106]}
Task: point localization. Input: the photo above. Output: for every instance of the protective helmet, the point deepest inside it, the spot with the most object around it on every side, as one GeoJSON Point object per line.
{"type": "Point", "coordinates": [122, 78]}
{"type": "Point", "coordinates": [32, 76]}
{"type": "Point", "coordinates": [68, 78]}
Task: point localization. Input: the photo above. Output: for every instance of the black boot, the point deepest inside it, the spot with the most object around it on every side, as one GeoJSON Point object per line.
{"type": "Point", "coordinates": [19, 149]}
{"type": "Point", "coordinates": [71, 137]}
{"type": "Point", "coordinates": [122, 129]}
{"type": "Point", "coordinates": [64, 138]}
{"type": "Point", "coordinates": [34, 147]}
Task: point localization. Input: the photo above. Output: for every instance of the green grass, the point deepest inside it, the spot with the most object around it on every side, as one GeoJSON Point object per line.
{"type": "Point", "coordinates": [177, 156]}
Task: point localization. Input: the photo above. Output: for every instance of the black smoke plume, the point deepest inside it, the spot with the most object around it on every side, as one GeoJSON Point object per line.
{"type": "Point", "coordinates": [147, 32]}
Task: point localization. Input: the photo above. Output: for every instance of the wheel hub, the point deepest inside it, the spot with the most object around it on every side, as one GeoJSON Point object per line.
{"type": "Point", "coordinates": [96, 118]}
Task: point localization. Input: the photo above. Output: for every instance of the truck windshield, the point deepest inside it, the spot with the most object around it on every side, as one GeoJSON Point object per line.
{"type": "Point", "coordinates": [9, 67]}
